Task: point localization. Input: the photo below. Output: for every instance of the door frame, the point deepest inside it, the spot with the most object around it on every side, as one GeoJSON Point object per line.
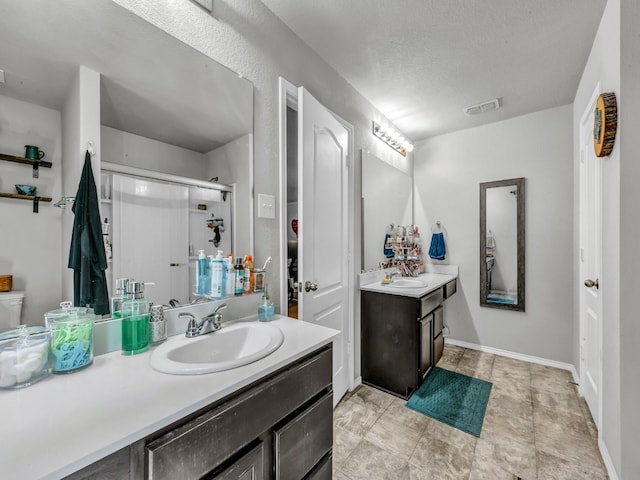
{"type": "Point", "coordinates": [288, 97]}
{"type": "Point", "coordinates": [582, 274]}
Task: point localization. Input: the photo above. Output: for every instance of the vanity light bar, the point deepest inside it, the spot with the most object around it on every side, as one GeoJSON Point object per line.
{"type": "Point", "coordinates": [393, 138]}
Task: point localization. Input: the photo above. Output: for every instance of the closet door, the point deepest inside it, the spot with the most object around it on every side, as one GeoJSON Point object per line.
{"type": "Point", "coordinates": [150, 236]}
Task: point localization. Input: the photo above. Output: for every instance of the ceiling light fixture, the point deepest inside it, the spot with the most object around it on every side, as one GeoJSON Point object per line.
{"type": "Point", "coordinates": [482, 107]}
{"type": "Point", "coordinates": [393, 138]}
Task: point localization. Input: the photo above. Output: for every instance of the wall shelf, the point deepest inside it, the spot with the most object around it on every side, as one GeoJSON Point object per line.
{"type": "Point", "coordinates": [24, 197]}
{"type": "Point", "coordinates": [35, 199]}
{"type": "Point", "coordinates": [26, 161]}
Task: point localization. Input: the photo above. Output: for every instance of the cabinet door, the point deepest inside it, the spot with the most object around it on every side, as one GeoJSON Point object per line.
{"type": "Point", "coordinates": [249, 467]}
{"type": "Point", "coordinates": [390, 342]}
{"type": "Point", "coordinates": [302, 442]}
{"type": "Point", "coordinates": [438, 348]}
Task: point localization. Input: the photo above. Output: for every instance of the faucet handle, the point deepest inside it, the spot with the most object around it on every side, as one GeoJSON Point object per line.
{"type": "Point", "coordinates": [192, 329]}
{"type": "Point", "coordinates": [222, 306]}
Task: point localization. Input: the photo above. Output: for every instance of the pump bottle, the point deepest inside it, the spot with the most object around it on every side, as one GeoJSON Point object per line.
{"type": "Point", "coordinates": [135, 320]}
{"type": "Point", "coordinates": [119, 297]}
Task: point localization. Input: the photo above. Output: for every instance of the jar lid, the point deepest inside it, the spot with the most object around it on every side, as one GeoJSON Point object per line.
{"type": "Point", "coordinates": [68, 313]}
{"type": "Point", "coordinates": [16, 332]}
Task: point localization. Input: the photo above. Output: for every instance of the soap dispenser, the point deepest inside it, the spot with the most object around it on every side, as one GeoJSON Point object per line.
{"type": "Point", "coordinates": [266, 310]}
{"type": "Point", "coordinates": [135, 320]}
{"type": "Point", "coordinates": [119, 297]}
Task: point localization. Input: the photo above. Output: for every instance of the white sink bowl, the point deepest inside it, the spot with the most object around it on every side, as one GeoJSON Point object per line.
{"type": "Point", "coordinates": [230, 347]}
{"type": "Point", "coordinates": [408, 283]}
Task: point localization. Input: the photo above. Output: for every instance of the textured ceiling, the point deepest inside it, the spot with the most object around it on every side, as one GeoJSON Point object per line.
{"type": "Point", "coordinates": [151, 84]}
{"type": "Point", "coordinates": [420, 62]}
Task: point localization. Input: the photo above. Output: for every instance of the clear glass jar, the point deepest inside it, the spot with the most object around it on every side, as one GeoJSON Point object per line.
{"type": "Point", "coordinates": [71, 338]}
{"type": "Point", "coordinates": [24, 356]}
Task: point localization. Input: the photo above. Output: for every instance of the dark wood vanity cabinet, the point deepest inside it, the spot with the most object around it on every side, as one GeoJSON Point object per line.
{"type": "Point", "coordinates": [280, 427]}
{"type": "Point", "coordinates": [402, 338]}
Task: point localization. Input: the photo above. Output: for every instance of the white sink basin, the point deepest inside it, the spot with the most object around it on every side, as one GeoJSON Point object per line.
{"type": "Point", "coordinates": [230, 347]}
{"type": "Point", "coordinates": [408, 283]}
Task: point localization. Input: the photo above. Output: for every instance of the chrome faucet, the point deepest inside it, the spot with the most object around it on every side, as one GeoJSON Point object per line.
{"type": "Point", "coordinates": [208, 324]}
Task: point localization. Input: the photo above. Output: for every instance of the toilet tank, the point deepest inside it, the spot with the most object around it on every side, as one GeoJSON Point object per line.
{"type": "Point", "coordinates": [10, 309]}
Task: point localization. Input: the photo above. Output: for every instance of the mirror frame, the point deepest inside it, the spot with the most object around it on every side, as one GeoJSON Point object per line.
{"type": "Point", "coordinates": [520, 224]}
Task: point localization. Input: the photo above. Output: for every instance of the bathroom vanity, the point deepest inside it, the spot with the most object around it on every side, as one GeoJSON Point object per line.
{"type": "Point", "coordinates": [121, 419]}
{"type": "Point", "coordinates": [402, 326]}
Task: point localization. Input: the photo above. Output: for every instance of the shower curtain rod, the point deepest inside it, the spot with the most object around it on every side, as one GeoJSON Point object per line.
{"type": "Point", "coordinates": [166, 177]}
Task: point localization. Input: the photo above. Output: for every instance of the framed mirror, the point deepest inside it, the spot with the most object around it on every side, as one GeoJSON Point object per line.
{"type": "Point", "coordinates": [163, 107]}
{"type": "Point", "coordinates": [387, 198]}
{"type": "Point", "coordinates": [502, 245]}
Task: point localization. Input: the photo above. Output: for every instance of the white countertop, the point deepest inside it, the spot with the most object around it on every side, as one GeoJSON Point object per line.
{"type": "Point", "coordinates": [66, 422]}
{"type": "Point", "coordinates": [433, 281]}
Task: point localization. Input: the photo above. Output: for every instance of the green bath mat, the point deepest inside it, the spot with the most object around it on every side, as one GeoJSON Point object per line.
{"type": "Point", "coordinates": [455, 399]}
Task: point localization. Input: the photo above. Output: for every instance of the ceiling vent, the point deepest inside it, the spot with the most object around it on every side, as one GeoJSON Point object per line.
{"type": "Point", "coordinates": [482, 107]}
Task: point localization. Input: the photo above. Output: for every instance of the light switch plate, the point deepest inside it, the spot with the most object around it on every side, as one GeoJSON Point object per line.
{"type": "Point", "coordinates": [266, 206]}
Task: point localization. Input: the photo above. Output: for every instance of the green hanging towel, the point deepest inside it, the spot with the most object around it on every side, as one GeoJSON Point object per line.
{"type": "Point", "coordinates": [86, 255]}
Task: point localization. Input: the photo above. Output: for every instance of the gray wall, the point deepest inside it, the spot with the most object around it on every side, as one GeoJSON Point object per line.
{"type": "Point", "coordinates": [30, 243]}
{"type": "Point", "coordinates": [448, 170]}
{"type": "Point", "coordinates": [629, 121]}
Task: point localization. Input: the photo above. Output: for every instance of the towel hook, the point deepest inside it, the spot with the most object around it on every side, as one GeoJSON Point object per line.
{"type": "Point", "coordinates": [90, 149]}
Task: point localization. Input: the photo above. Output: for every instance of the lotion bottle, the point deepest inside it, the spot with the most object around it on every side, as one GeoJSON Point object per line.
{"type": "Point", "coordinates": [230, 281]}
{"type": "Point", "coordinates": [218, 267]}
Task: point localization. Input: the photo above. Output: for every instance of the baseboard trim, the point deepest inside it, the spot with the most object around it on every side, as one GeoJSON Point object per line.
{"type": "Point", "coordinates": [606, 458]}
{"type": "Point", "coordinates": [517, 356]}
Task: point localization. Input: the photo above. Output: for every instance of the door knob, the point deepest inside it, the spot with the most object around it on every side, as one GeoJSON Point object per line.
{"type": "Point", "coordinates": [591, 283]}
{"type": "Point", "coordinates": [310, 286]}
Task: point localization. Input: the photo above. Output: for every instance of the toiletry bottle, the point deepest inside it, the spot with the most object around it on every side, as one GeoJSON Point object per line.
{"type": "Point", "coordinates": [249, 279]}
{"type": "Point", "coordinates": [239, 283]}
{"type": "Point", "coordinates": [218, 267]}
{"type": "Point", "coordinates": [266, 310]}
{"type": "Point", "coordinates": [135, 320]}
{"type": "Point", "coordinates": [230, 281]}
{"type": "Point", "coordinates": [119, 297]}
{"type": "Point", "coordinates": [202, 274]}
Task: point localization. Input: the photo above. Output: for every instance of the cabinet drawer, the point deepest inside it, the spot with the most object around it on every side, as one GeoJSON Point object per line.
{"type": "Point", "coordinates": [450, 288]}
{"type": "Point", "coordinates": [302, 442]}
{"type": "Point", "coordinates": [208, 440]}
{"type": "Point", "coordinates": [323, 471]}
{"type": "Point", "coordinates": [430, 302]}
{"type": "Point", "coordinates": [249, 467]}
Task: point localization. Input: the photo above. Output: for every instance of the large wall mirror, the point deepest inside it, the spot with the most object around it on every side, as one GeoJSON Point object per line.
{"type": "Point", "coordinates": [164, 108]}
{"type": "Point", "coordinates": [387, 198]}
{"type": "Point", "coordinates": [502, 246]}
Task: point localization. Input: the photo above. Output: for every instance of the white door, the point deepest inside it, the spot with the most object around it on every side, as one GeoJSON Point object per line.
{"type": "Point", "coordinates": [590, 267]}
{"type": "Point", "coordinates": [150, 244]}
{"type": "Point", "coordinates": [323, 179]}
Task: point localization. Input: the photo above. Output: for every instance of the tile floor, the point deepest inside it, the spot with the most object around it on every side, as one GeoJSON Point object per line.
{"type": "Point", "coordinates": [536, 427]}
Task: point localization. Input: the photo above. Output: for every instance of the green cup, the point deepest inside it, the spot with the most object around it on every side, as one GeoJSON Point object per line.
{"type": "Point", "coordinates": [33, 152]}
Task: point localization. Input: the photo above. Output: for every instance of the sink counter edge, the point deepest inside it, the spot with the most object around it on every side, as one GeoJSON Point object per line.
{"type": "Point", "coordinates": [434, 281]}
{"type": "Point", "coordinates": [66, 422]}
